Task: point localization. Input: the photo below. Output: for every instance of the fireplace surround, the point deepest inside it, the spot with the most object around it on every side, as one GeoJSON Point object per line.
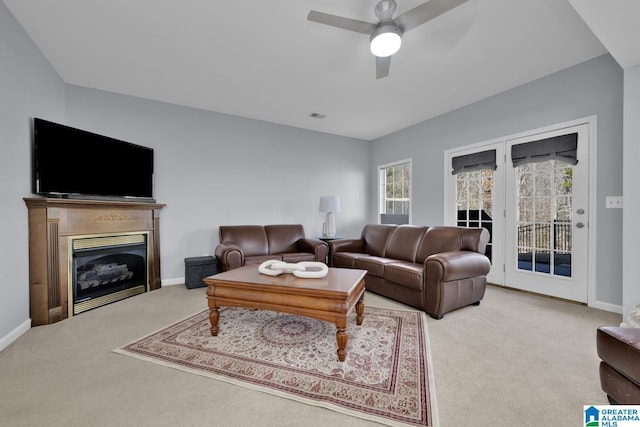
{"type": "Point", "coordinates": [68, 234]}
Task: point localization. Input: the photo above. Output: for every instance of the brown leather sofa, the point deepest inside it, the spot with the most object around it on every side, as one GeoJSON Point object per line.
{"type": "Point", "coordinates": [435, 269]}
{"type": "Point", "coordinates": [619, 349]}
{"type": "Point", "coordinates": [253, 244]}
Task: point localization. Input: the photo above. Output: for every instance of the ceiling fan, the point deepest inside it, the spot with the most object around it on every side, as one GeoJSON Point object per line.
{"type": "Point", "coordinates": [386, 36]}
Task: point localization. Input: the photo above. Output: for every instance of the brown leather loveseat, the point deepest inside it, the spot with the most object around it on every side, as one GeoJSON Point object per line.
{"type": "Point", "coordinates": [254, 244]}
{"type": "Point", "coordinates": [435, 269]}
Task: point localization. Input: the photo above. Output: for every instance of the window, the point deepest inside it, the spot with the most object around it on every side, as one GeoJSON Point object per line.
{"type": "Point", "coordinates": [395, 192]}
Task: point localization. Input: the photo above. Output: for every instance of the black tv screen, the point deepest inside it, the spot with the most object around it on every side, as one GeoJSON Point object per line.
{"type": "Point", "coordinates": [74, 163]}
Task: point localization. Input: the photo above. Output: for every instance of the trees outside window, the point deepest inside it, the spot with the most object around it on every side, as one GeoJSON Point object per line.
{"type": "Point", "coordinates": [395, 192]}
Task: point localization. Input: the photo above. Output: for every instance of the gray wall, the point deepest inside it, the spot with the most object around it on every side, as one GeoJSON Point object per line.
{"type": "Point", "coordinates": [28, 87]}
{"type": "Point", "coordinates": [213, 169]}
{"type": "Point", "coordinates": [591, 88]}
{"type": "Point", "coordinates": [631, 287]}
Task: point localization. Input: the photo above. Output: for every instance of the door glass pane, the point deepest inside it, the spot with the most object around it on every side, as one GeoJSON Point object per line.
{"type": "Point", "coordinates": [544, 217]}
{"type": "Point", "coordinates": [474, 201]}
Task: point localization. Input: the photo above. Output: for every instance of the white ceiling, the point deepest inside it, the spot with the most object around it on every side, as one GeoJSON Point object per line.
{"type": "Point", "coordinates": [615, 23]}
{"type": "Point", "coordinates": [263, 59]}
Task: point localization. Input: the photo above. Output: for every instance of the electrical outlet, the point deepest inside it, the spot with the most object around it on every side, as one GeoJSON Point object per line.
{"type": "Point", "coordinates": [613, 202]}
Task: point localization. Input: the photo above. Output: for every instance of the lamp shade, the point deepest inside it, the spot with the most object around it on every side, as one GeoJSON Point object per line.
{"type": "Point", "coordinates": [329, 204]}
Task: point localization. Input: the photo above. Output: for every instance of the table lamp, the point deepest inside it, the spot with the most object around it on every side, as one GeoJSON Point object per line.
{"type": "Point", "coordinates": [330, 204]}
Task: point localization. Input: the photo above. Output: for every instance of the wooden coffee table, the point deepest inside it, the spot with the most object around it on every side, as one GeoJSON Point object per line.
{"type": "Point", "coordinates": [330, 298]}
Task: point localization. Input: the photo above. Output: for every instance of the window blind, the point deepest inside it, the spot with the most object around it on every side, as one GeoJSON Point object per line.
{"type": "Point", "coordinates": [474, 162]}
{"type": "Point", "coordinates": [394, 219]}
{"type": "Point", "coordinates": [561, 147]}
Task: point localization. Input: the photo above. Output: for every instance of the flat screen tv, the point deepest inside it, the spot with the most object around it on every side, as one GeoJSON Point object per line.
{"type": "Point", "coordinates": [74, 163]}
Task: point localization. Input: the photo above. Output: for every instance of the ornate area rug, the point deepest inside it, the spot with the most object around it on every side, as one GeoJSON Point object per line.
{"type": "Point", "coordinates": [386, 376]}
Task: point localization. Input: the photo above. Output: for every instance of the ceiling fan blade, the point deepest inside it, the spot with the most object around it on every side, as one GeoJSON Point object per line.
{"type": "Point", "coordinates": [340, 22]}
{"type": "Point", "coordinates": [382, 66]}
{"type": "Point", "coordinates": [425, 12]}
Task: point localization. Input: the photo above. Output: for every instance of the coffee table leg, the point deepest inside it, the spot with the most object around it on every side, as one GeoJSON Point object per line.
{"type": "Point", "coordinates": [214, 315]}
{"type": "Point", "coordinates": [360, 310]}
{"type": "Point", "coordinates": [341, 336]}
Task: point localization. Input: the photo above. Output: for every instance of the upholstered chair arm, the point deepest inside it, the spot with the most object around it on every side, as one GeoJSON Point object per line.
{"type": "Point", "coordinates": [315, 246]}
{"type": "Point", "coordinates": [229, 256]}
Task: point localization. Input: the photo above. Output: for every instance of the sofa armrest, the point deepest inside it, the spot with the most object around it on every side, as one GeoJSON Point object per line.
{"type": "Point", "coordinates": [229, 256]}
{"type": "Point", "coordinates": [346, 245]}
{"type": "Point", "coordinates": [455, 265]}
{"type": "Point", "coordinates": [453, 280]}
{"type": "Point", "coordinates": [315, 246]}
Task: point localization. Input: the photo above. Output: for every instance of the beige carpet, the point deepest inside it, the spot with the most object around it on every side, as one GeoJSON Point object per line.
{"type": "Point", "coordinates": [516, 359]}
{"type": "Point", "coordinates": [384, 378]}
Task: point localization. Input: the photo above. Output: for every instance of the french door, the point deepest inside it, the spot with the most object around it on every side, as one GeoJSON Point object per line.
{"type": "Point", "coordinates": [547, 230]}
{"type": "Point", "coordinates": [535, 203]}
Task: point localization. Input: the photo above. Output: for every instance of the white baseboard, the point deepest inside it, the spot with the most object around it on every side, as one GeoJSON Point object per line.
{"type": "Point", "coordinates": [606, 306]}
{"type": "Point", "coordinates": [171, 282]}
{"type": "Point", "coordinates": [15, 334]}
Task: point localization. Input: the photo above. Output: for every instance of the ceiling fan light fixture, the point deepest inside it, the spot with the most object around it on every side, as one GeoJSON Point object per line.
{"type": "Point", "coordinates": [386, 40]}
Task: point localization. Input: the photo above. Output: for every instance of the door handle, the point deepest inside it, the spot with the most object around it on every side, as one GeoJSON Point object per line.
{"type": "Point", "coordinates": [580, 225]}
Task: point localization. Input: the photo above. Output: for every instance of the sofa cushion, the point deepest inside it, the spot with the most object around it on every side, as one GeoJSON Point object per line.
{"type": "Point", "coordinates": [297, 257]}
{"type": "Point", "coordinates": [282, 238]}
{"type": "Point", "coordinates": [373, 264]}
{"type": "Point", "coordinates": [375, 237]}
{"type": "Point", "coordinates": [347, 259]}
{"type": "Point", "coordinates": [251, 239]}
{"type": "Point", "coordinates": [404, 242]}
{"type": "Point", "coordinates": [408, 274]}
